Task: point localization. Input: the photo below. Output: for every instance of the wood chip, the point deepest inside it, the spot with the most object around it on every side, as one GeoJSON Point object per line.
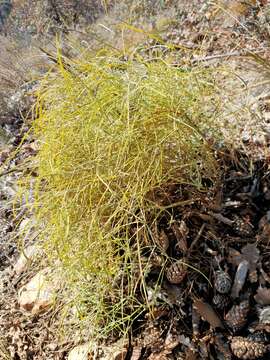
{"type": "Point", "coordinates": [136, 353]}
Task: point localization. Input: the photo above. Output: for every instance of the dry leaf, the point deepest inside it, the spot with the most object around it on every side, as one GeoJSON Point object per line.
{"type": "Point", "coordinates": [191, 355]}
{"type": "Point", "coordinates": [184, 340]}
{"type": "Point", "coordinates": [251, 254]}
{"type": "Point", "coordinates": [181, 232]}
{"type": "Point", "coordinates": [262, 296]}
{"type": "Point", "coordinates": [240, 278]}
{"type": "Point", "coordinates": [207, 313]}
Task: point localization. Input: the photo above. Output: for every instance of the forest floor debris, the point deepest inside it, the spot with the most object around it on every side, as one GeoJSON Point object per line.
{"type": "Point", "coordinates": [214, 299]}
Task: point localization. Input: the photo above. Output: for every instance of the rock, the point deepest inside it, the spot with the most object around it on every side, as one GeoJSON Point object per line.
{"type": "Point", "coordinates": [25, 259]}
{"type": "Point", "coordinates": [24, 225]}
{"type": "Point", "coordinates": [39, 293]}
{"type": "Point", "coordinates": [80, 352]}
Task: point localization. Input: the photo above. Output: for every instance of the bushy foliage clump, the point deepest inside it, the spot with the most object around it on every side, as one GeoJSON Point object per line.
{"type": "Point", "coordinates": [112, 132]}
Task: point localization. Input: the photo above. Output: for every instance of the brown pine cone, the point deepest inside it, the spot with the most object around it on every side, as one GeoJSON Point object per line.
{"type": "Point", "coordinates": [176, 272]}
{"type": "Point", "coordinates": [247, 349]}
{"type": "Point", "coordinates": [151, 337]}
{"type": "Point", "coordinates": [163, 240]}
{"type": "Point", "coordinates": [223, 282]}
{"type": "Point", "coordinates": [237, 316]}
{"type": "Point", "coordinates": [242, 228]}
{"type": "Point", "coordinates": [221, 301]}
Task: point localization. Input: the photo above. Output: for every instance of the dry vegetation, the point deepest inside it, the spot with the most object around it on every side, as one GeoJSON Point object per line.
{"type": "Point", "coordinates": [140, 127]}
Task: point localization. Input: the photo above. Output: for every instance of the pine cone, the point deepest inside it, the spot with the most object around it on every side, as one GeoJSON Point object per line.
{"type": "Point", "coordinates": [264, 315]}
{"type": "Point", "coordinates": [223, 282]}
{"type": "Point", "coordinates": [163, 240]}
{"type": "Point", "coordinates": [151, 337]}
{"type": "Point", "coordinates": [237, 316]}
{"type": "Point", "coordinates": [176, 272]}
{"type": "Point", "coordinates": [246, 349]}
{"type": "Point", "coordinates": [259, 336]}
{"type": "Point", "coordinates": [242, 228]}
{"type": "Point", "coordinates": [221, 301]}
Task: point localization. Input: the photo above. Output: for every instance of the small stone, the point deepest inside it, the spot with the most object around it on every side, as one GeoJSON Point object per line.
{"type": "Point", "coordinates": [39, 293]}
{"type": "Point", "coordinates": [246, 349]}
{"type": "Point", "coordinates": [80, 352]}
{"type": "Point", "coordinates": [25, 225]}
{"type": "Point", "coordinates": [24, 259]}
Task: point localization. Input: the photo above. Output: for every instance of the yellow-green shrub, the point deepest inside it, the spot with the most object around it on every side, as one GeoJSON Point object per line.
{"type": "Point", "coordinates": [111, 131]}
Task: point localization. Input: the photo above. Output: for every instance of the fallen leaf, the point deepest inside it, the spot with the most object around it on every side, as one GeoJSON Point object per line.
{"type": "Point", "coordinates": [181, 232]}
{"type": "Point", "coordinates": [191, 355]}
{"type": "Point", "coordinates": [184, 340]}
{"type": "Point", "coordinates": [262, 296]}
{"type": "Point", "coordinates": [251, 254]}
{"type": "Point", "coordinates": [207, 313]}
{"type": "Point", "coordinates": [239, 278]}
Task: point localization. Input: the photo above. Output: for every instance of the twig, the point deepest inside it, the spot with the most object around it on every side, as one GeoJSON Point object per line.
{"type": "Point", "coordinates": [196, 238]}
{"type": "Point", "coordinates": [231, 54]}
{"type": "Point", "coordinates": [222, 219]}
{"type": "Point", "coordinates": [4, 173]}
{"type": "Point", "coordinates": [178, 203]}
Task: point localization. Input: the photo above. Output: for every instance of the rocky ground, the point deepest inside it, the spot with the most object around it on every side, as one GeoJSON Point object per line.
{"type": "Point", "coordinates": [225, 233]}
